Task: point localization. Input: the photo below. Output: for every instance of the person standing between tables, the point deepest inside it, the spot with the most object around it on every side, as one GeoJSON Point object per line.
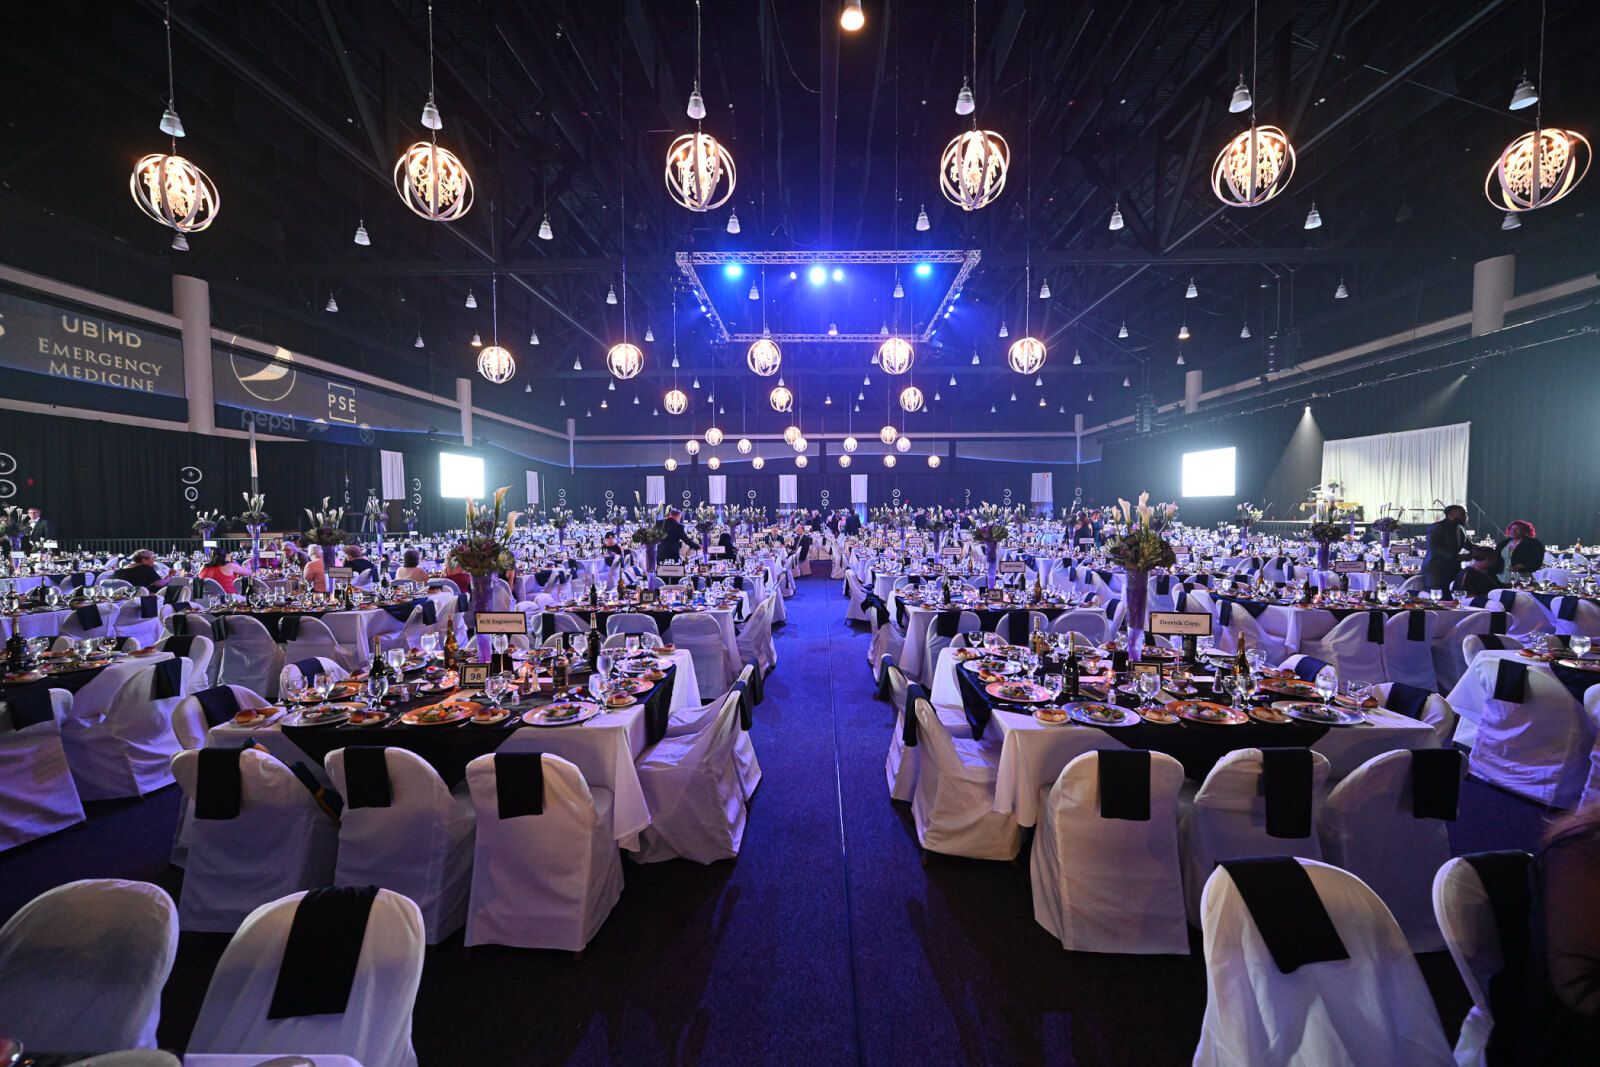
{"type": "Point", "coordinates": [670, 546]}
{"type": "Point", "coordinates": [40, 529]}
{"type": "Point", "coordinates": [1447, 547]}
{"type": "Point", "coordinates": [1521, 553]}
{"type": "Point", "coordinates": [1479, 577]}
{"type": "Point", "coordinates": [852, 524]}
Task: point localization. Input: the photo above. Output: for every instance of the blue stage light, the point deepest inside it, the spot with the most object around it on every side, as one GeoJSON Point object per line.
{"type": "Point", "coordinates": [838, 275]}
{"type": "Point", "coordinates": [817, 275]}
{"type": "Point", "coordinates": [733, 270]}
{"type": "Point", "coordinates": [924, 269]}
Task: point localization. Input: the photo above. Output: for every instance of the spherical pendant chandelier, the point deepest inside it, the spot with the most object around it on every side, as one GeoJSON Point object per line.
{"type": "Point", "coordinates": [713, 436]}
{"type": "Point", "coordinates": [888, 434]}
{"type": "Point", "coordinates": [692, 447]}
{"type": "Point", "coordinates": [1026, 355]}
{"type": "Point", "coordinates": [496, 364]}
{"type": "Point", "coordinates": [800, 461]}
{"type": "Point", "coordinates": [844, 461]}
{"type": "Point", "coordinates": [791, 435]}
{"type": "Point", "coordinates": [671, 464]}
{"type": "Point", "coordinates": [903, 445]}
{"type": "Point", "coordinates": [757, 463]}
{"type": "Point", "coordinates": [433, 182]}
{"type": "Point", "coordinates": [713, 463]}
{"type": "Point", "coordinates": [764, 357]}
{"type": "Point", "coordinates": [781, 399]}
{"type": "Point", "coordinates": [624, 360]}
{"type": "Point", "coordinates": [745, 446]}
{"type": "Point", "coordinates": [972, 171]}
{"type": "Point", "coordinates": [676, 402]}
{"type": "Point", "coordinates": [1254, 167]}
{"type": "Point", "coordinates": [801, 444]}
{"type": "Point", "coordinates": [895, 355]}
{"type": "Point", "coordinates": [174, 192]}
{"type": "Point", "coordinates": [889, 460]}
{"type": "Point", "coordinates": [850, 444]}
{"type": "Point", "coordinates": [700, 172]}
{"type": "Point", "coordinates": [933, 461]}
{"type": "Point", "coordinates": [1517, 183]}
{"type": "Point", "coordinates": [911, 398]}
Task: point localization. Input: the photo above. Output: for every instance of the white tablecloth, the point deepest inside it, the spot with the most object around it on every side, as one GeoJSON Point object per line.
{"type": "Point", "coordinates": [1032, 754]}
{"type": "Point", "coordinates": [34, 624]}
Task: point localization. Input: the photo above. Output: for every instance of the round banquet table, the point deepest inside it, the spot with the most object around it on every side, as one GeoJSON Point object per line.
{"type": "Point", "coordinates": [918, 619]}
{"type": "Point", "coordinates": [662, 616]}
{"type": "Point", "coordinates": [352, 629]}
{"type": "Point", "coordinates": [1295, 625]}
{"type": "Point", "coordinates": [43, 623]}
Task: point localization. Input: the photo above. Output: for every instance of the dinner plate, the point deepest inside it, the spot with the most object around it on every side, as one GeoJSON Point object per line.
{"type": "Point", "coordinates": [1103, 715]}
{"type": "Point", "coordinates": [1052, 716]}
{"type": "Point", "coordinates": [1270, 715]}
{"type": "Point", "coordinates": [493, 717]}
{"type": "Point", "coordinates": [440, 714]}
{"type": "Point", "coordinates": [145, 651]}
{"type": "Point", "coordinates": [69, 668]}
{"type": "Point", "coordinates": [993, 665]}
{"type": "Point", "coordinates": [1581, 665]}
{"type": "Point", "coordinates": [633, 685]}
{"type": "Point", "coordinates": [1158, 715]}
{"type": "Point", "coordinates": [566, 713]}
{"type": "Point", "coordinates": [1019, 692]}
{"type": "Point", "coordinates": [962, 655]}
{"type": "Point", "coordinates": [1321, 714]}
{"type": "Point", "coordinates": [368, 718]}
{"type": "Point", "coordinates": [1204, 711]}
{"type": "Point", "coordinates": [265, 717]}
{"type": "Point", "coordinates": [330, 716]}
{"type": "Point", "coordinates": [24, 677]}
{"type": "Point", "coordinates": [1289, 687]}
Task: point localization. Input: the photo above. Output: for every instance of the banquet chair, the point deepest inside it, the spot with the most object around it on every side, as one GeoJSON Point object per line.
{"type": "Point", "coordinates": [210, 587]}
{"type": "Point", "coordinates": [295, 671]}
{"type": "Point", "coordinates": [616, 641]}
{"type": "Point", "coordinates": [568, 623]}
{"type": "Point", "coordinates": [200, 654]}
{"type": "Point", "coordinates": [1467, 920]}
{"type": "Point", "coordinates": [72, 626]}
{"type": "Point", "coordinates": [853, 592]}
{"type": "Point", "coordinates": [1350, 649]}
{"type": "Point", "coordinates": [250, 657]}
{"type": "Point", "coordinates": [105, 581]}
{"type": "Point", "coordinates": [1533, 740]}
{"type": "Point", "coordinates": [118, 734]}
{"type": "Point", "coordinates": [1110, 882]}
{"type": "Point", "coordinates": [1408, 638]}
{"type": "Point", "coordinates": [1585, 616]}
{"type": "Point", "coordinates": [696, 797]}
{"type": "Point", "coordinates": [1527, 614]}
{"type": "Point", "coordinates": [1450, 658]}
{"type": "Point", "coordinates": [403, 829]}
{"type": "Point", "coordinates": [82, 966]}
{"type": "Point", "coordinates": [339, 635]}
{"type": "Point", "coordinates": [1368, 825]}
{"type": "Point", "coordinates": [1474, 643]}
{"type": "Point", "coordinates": [37, 794]}
{"type": "Point", "coordinates": [933, 642]}
{"type": "Point", "coordinates": [409, 636]}
{"type": "Point", "coordinates": [754, 639]}
{"type": "Point", "coordinates": [1370, 1007]}
{"type": "Point", "coordinates": [1555, 576]}
{"type": "Point", "coordinates": [953, 805]}
{"type": "Point", "coordinates": [1035, 619]}
{"type": "Point", "coordinates": [546, 870]}
{"type": "Point", "coordinates": [372, 1025]}
{"type": "Point", "coordinates": [901, 766]}
{"type": "Point", "coordinates": [277, 840]}
{"type": "Point", "coordinates": [1228, 817]}
{"type": "Point", "coordinates": [702, 636]}
{"type": "Point", "coordinates": [141, 619]}
{"type": "Point", "coordinates": [628, 622]}
{"type": "Point", "coordinates": [1090, 623]}
{"type": "Point", "coordinates": [190, 722]}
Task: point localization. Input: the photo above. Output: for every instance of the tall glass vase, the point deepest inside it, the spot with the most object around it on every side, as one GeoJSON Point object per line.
{"type": "Point", "coordinates": [650, 557]}
{"type": "Point", "coordinates": [991, 553]}
{"type": "Point", "coordinates": [482, 593]}
{"type": "Point", "coordinates": [1322, 555]}
{"type": "Point", "coordinates": [255, 547]}
{"type": "Point", "coordinates": [1137, 596]}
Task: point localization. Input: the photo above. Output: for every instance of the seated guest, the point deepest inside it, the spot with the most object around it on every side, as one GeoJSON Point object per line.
{"type": "Point", "coordinates": [455, 573]}
{"type": "Point", "coordinates": [362, 570]}
{"type": "Point", "coordinates": [1521, 553]}
{"type": "Point", "coordinates": [1082, 530]}
{"type": "Point", "coordinates": [1480, 575]}
{"type": "Point", "coordinates": [222, 570]}
{"type": "Point", "coordinates": [610, 542]}
{"type": "Point", "coordinates": [294, 551]}
{"type": "Point", "coordinates": [410, 569]}
{"type": "Point", "coordinates": [315, 573]}
{"type": "Point", "coordinates": [140, 570]}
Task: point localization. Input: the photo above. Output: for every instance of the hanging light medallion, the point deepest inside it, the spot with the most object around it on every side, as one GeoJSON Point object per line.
{"type": "Point", "coordinates": [911, 398]}
{"type": "Point", "coordinates": [903, 445]}
{"type": "Point", "coordinates": [933, 461]}
{"type": "Point", "coordinates": [700, 172]}
{"type": "Point", "coordinates": [745, 446]}
{"type": "Point", "coordinates": [850, 444]}
{"type": "Point", "coordinates": [713, 463]}
{"type": "Point", "coordinates": [844, 461]}
{"type": "Point", "coordinates": [1254, 167]}
{"type": "Point", "coordinates": [972, 171]}
{"type": "Point", "coordinates": [676, 402]}
{"type": "Point", "coordinates": [764, 357]}
{"type": "Point", "coordinates": [713, 436]}
{"type": "Point", "coordinates": [800, 461]}
{"type": "Point", "coordinates": [757, 463]}
{"type": "Point", "coordinates": [895, 355]}
{"type": "Point", "coordinates": [174, 192]}
{"type": "Point", "coordinates": [1514, 185]}
{"type": "Point", "coordinates": [1026, 355]}
{"type": "Point", "coordinates": [889, 460]}
{"type": "Point", "coordinates": [781, 399]}
{"type": "Point", "coordinates": [888, 434]}
{"type": "Point", "coordinates": [433, 182]}
{"type": "Point", "coordinates": [496, 364]}
{"type": "Point", "coordinates": [624, 360]}
{"type": "Point", "coordinates": [791, 435]}
{"type": "Point", "coordinates": [692, 447]}
{"type": "Point", "coordinates": [801, 444]}
{"type": "Point", "coordinates": [671, 464]}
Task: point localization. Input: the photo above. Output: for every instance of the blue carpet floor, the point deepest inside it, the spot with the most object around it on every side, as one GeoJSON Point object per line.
{"type": "Point", "coordinates": [826, 942]}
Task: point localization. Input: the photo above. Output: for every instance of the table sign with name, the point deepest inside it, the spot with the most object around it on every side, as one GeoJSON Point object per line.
{"type": "Point", "coordinates": [669, 570]}
{"type": "Point", "coordinates": [501, 622]}
{"type": "Point", "coordinates": [340, 574]}
{"type": "Point", "coordinates": [1012, 566]}
{"type": "Point", "coordinates": [1349, 566]}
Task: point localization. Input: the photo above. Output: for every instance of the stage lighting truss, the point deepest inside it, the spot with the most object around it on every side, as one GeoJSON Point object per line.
{"type": "Point", "coordinates": [690, 263]}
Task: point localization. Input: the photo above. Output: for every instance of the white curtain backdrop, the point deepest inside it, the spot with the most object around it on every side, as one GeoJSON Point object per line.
{"type": "Point", "coordinates": [858, 489]}
{"type": "Point", "coordinates": [788, 489]}
{"type": "Point", "coordinates": [1043, 490]}
{"type": "Point", "coordinates": [717, 489]}
{"type": "Point", "coordinates": [655, 489]}
{"type": "Point", "coordinates": [393, 465]}
{"type": "Point", "coordinates": [533, 489]}
{"type": "Point", "coordinates": [1411, 469]}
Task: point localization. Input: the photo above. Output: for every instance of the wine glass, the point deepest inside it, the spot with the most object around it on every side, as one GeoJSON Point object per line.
{"type": "Point", "coordinates": [1327, 684]}
{"type": "Point", "coordinates": [1148, 684]}
{"type": "Point", "coordinates": [108, 644]}
{"type": "Point", "coordinates": [375, 689]}
{"type": "Point", "coordinates": [429, 642]}
{"type": "Point", "coordinates": [1356, 690]}
{"type": "Point", "coordinates": [396, 659]}
{"type": "Point", "coordinates": [1226, 685]}
{"type": "Point", "coordinates": [322, 686]}
{"type": "Point", "coordinates": [500, 642]}
{"type": "Point", "coordinates": [1579, 644]}
{"type": "Point", "coordinates": [288, 688]}
{"type": "Point", "coordinates": [1053, 682]}
{"type": "Point", "coordinates": [494, 687]}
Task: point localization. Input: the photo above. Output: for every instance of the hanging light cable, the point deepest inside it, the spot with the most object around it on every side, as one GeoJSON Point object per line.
{"type": "Point", "coordinates": [167, 187]}
{"type": "Point", "coordinates": [431, 181]}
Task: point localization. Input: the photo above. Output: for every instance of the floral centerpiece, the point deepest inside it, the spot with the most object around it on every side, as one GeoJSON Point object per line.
{"type": "Point", "coordinates": [1385, 525]}
{"type": "Point", "coordinates": [1139, 551]}
{"type": "Point", "coordinates": [704, 520]}
{"type": "Point", "coordinates": [1249, 515]}
{"type": "Point", "coordinates": [254, 518]}
{"type": "Point", "coordinates": [937, 524]}
{"type": "Point", "coordinates": [990, 526]}
{"type": "Point", "coordinates": [325, 525]}
{"type": "Point", "coordinates": [206, 522]}
{"type": "Point", "coordinates": [1325, 534]}
{"type": "Point", "coordinates": [484, 551]}
{"type": "Point", "coordinates": [410, 517]}
{"type": "Point", "coordinates": [649, 534]}
{"type": "Point", "coordinates": [560, 518]}
{"type": "Point", "coordinates": [13, 525]}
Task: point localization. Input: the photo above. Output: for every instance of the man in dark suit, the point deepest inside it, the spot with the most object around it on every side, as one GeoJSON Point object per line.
{"type": "Point", "coordinates": [852, 524]}
{"type": "Point", "coordinates": [670, 546]}
{"type": "Point", "coordinates": [1447, 544]}
{"type": "Point", "coordinates": [40, 529]}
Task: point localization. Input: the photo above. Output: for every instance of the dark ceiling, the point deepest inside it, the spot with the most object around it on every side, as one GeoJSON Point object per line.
{"type": "Point", "coordinates": [298, 108]}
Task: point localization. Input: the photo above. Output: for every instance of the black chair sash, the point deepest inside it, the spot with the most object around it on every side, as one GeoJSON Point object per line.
{"type": "Point", "coordinates": [88, 616]}
{"type": "Point", "coordinates": [908, 732]}
{"type": "Point", "coordinates": [519, 783]}
{"type": "Point", "coordinates": [1286, 776]}
{"type": "Point", "coordinates": [218, 704]}
{"type": "Point", "coordinates": [309, 667]}
{"type": "Point", "coordinates": [179, 644]}
{"type": "Point", "coordinates": [1308, 667]}
{"type": "Point", "coordinates": [884, 688]}
{"type": "Point", "coordinates": [947, 623]}
{"type": "Point", "coordinates": [218, 784]}
{"type": "Point", "coordinates": [1416, 625]}
{"type": "Point", "coordinates": [1435, 783]}
{"type": "Point", "coordinates": [1409, 700]}
{"type": "Point", "coordinates": [1511, 681]}
{"type": "Point", "coordinates": [29, 708]}
{"type": "Point", "coordinates": [167, 679]}
{"type": "Point", "coordinates": [366, 777]}
{"type": "Point", "coordinates": [322, 952]}
{"type": "Point", "coordinates": [1292, 920]}
{"type": "Point", "coordinates": [288, 628]}
{"type": "Point", "coordinates": [1124, 776]}
{"type": "Point", "coordinates": [430, 613]}
{"type": "Point", "coordinates": [1375, 621]}
{"type": "Point", "coordinates": [149, 606]}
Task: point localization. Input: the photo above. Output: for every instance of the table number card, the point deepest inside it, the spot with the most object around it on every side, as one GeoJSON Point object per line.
{"type": "Point", "coordinates": [1350, 566]}
{"type": "Point", "coordinates": [1012, 566]}
{"type": "Point", "coordinates": [501, 622]}
{"type": "Point", "coordinates": [474, 675]}
{"type": "Point", "coordinates": [1183, 623]}
{"type": "Point", "coordinates": [340, 574]}
{"type": "Point", "coordinates": [669, 570]}
{"type": "Point", "coordinates": [647, 596]}
{"type": "Point", "coordinates": [1138, 667]}
{"type": "Point", "coordinates": [718, 550]}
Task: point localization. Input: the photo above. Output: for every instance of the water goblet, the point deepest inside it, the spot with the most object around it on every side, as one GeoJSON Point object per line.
{"type": "Point", "coordinates": [1579, 644]}
{"type": "Point", "coordinates": [429, 642]}
{"type": "Point", "coordinates": [322, 686]}
{"type": "Point", "coordinates": [1148, 684]}
{"type": "Point", "coordinates": [1053, 682]}
{"type": "Point", "coordinates": [396, 659]}
{"type": "Point", "coordinates": [494, 687]}
{"type": "Point", "coordinates": [375, 689]}
{"type": "Point", "coordinates": [1327, 684]}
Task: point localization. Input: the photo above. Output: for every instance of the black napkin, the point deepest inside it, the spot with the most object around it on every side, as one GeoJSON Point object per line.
{"type": "Point", "coordinates": [1308, 668]}
{"type": "Point", "coordinates": [179, 645]}
{"type": "Point", "coordinates": [149, 606]}
{"type": "Point", "coordinates": [309, 668]}
{"type": "Point", "coordinates": [1497, 622]}
{"type": "Point", "coordinates": [946, 623]}
{"type": "Point", "coordinates": [218, 788]}
{"type": "Point", "coordinates": [1286, 782]}
{"type": "Point", "coordinates": [519, 783]}
{"type": "Point", "coordinates": [288, 627]}
{"type": "Point", "coordinates": [908, 732]}
{"type": "Point", "coordinates": [1124, 784]}
{"type": "Point", "coordinates": [321, 952]}
{"type": "Point", "coordinates": [1416, 625]}
{"type": "Point", "coordinates": [1375, 621]}
{"type": "Point", "coordinates": [366, 777]}
{"type": "Point", "coordinates": [1566, 608]}
{"type": "Point", "coordinates": [88, 616]}
{"type": "Point", "coordinates": [168, 679]}
{"type": "Point", "coordinates": [1435, 783]}
{"type": "Point", "coordinates": [29, 708]}
{"type": "Point", "coordinates": [1408, 700]}
{"type": "Point", "coordinates": [218, 704]}
{"type": "Point", "coordinates": [1511, 681]}
{"type": "Point", "coordinates": [1288, 913]}
{"type": "Point", "coordinates": [430, 613]}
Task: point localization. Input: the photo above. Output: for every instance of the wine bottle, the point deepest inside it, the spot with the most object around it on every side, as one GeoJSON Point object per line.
{"type": "Point", "coordinates": [377, 668]}
{"type": "Point", "coordinates": [1071, 674]}
{"type": "Point", "coordinates": [452, 651]}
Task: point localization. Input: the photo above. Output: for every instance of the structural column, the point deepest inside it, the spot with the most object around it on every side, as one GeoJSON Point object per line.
{"type": "Point", "coordinates": [1492, 283]}
{"type": "Point", "coordinates": [1191, 391]}
{"type": "Point", "coordinates": [191, 302]}
{"type": "Point", "coordinates": [464, 401]}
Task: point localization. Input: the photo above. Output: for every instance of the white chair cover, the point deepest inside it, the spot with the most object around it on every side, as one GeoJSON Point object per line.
{"type": "Point", "coordinates": [1373, 1008]}
{"type": "Point", "coordinates": [547, 880]}
{"type": "Point", "coordinates": [316, 638]}
{"type": "Point", "coordinates": [1110, 885]}
{"type": "Point", "coordinates": [128, 622]}
{"type": "Point", "coordinates": [297, 677]}
{"type": "Point", "coordinates": [70, 627]}
{"type": "Point", "coordinates": [37, 794]}
{"type": "Point", "coordinates": [200, 657]}
{"type": "Point", "coordinates": [420, 846]}
{"type": "Point", "coordinates": [1538, 748]}
{"type": "Point", "coordinates": [375, 1029]}
{"type": "Point", "coordinates": [1090, 623]}
{"type": "Point", "coordinates": [1408, 661]}
{"type": "Point", "coordinates": [1585, 620]}
{"type": "Point", "coordinates": [903, 762]}
{"type": "Point", "coordinates": [410, 635]}
{"type": "Point", "coordinates": [1352, 655]}
{"type": "Point", "coordinates": [1466, 919]}
{"type": "Point", "coordinates": [1527, 614]}
{"type": "Point", "coordinates": [1450, 657]}
{"type": "Point", "coordinates": [695, 794]}
{"type": "Point", "coordinates": [755, 637]}
{"type": "Point", "coordinates": [250, 657]}
{"type": "Point", "coordinates": [1366, 827]}
{"type": "Point", "coordinates": [702, 637]}
{"type": "Point", "coordinates": [1227, 818]}
{"type": "Point", "coordinates": [933, 642]}
{"type": "Point", "coordinates": [82, 966]}
{"type": "Point", "coordinates": [954, 803]}
{"type": "Point", "coordinates": [627, 622]}
{"type": "Point", "coordinates": [189, 723]}
{"type": "Point", "coordinates": [1035, 619]}
{"type": "Point", "coordinates": [281, 842]}
{"type": "Point", "coordinates": [117, 736]}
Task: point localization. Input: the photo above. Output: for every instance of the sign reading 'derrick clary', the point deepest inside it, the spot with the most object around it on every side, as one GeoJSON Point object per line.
{"type": "Point", "coordinates": [82, 347]}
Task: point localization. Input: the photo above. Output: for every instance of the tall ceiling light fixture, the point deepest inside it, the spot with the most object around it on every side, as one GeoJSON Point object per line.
{"type": "Point", "coordinates": [764, 357]}
{"type": "Point", "coordinates": [972, 171]}
{"type": "Point", "coordinates": [700, 171]}
{"type": "Point", "coordinates": [167, 187]}
{"type": "Point", "coordinates": [494, 362]}
{"type": "Point", "coordinates": [431, 180]}
{"type": "Point", "coordinates": [895, 355]}
{"type": "Point", "coordinates": [851, 17]}
{"type": "Point", "coordinates": [1258, 164]}
{"type": "Point", "coordinates": [1542, 166]}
